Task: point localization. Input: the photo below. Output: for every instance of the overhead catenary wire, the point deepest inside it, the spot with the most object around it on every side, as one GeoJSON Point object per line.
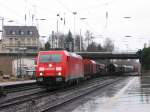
{"type": "Point", "coordinates": [10, 9]}
{"type": "Point", "coordinates": [64, 6]}
{"type": "Point", "coordinates": [3, 5]}
{"type": "Point", "coordinates": [94, 7]}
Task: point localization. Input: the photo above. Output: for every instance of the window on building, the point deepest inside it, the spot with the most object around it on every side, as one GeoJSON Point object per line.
{"type": "Point", "coordinates": [10, 41]}
{"type": "Point", "coordinates": [12, 32]}
{"type": "Point", "coordinates": [29, 32]}
{"type": "Point", "coordinates": [21, 32]}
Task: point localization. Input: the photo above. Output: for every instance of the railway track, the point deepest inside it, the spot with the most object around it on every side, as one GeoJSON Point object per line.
{"type": "Point", "coordinates": [77, 94]}
{"type": "Point", "coordinates": [44, 101]}
{"type": "Point", "coordinates": [21, 88]}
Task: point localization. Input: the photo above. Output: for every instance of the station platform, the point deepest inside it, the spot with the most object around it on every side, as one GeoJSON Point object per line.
{"type": "Point", "coordinates": [130, 95]}
{"type": "Point", "coordinates": [13, 83]}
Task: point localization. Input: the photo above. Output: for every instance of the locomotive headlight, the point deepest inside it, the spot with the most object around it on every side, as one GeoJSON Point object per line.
{"type": "Point", "coordinates": [41, 74]}
{"type": "Point", "coordinates": [41, 69]}
{"type": "Point", "coordinates": [50, 65]}
{"type": "Point", "coordinates": [58, 68]}
{"type": "Point", "coordinates": [59, 73]}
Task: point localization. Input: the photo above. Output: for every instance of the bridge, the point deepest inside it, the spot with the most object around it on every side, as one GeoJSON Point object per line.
{"type": "Point", "coordinates": [90, 55]}
{"type": "Point", "coordinates": [109, 55]}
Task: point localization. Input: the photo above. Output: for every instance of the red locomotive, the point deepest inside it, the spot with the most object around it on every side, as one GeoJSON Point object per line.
{"type": "Point", "coordinates": [54, 67]}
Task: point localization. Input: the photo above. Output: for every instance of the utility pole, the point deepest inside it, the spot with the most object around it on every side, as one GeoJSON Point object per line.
{"type": "Point", "coordinates": [19, 61]}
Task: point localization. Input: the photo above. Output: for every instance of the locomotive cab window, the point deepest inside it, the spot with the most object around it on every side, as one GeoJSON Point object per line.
{"type": "Point", "coordinates": [51, 58]}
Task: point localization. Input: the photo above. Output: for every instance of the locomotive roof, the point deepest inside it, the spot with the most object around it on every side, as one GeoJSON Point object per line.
{"type": "Point", "coordinates": [72, 54]}
{"type": "Point", "coordinates": [93, 61]}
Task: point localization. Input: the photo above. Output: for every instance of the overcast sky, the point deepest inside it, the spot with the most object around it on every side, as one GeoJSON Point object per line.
{"type": "Point", "coordinates": [116, 27]}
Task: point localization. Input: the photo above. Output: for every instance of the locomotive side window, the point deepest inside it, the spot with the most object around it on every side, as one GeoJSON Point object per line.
{"type": "Point", "coordinates": [50, 58]}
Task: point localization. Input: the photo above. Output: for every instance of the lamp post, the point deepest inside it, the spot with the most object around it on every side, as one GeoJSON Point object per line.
{"type": "Point", "coordinates": [57, 22]}
{"type": "Point", "coordinates": [127, 36]}
{"type": "Point", "coordinates": [58, 29]}
{"type": "Point", "coordinates": [74, 13]}
{"type": "Point", "coordinates": [82, 19]}
{"type": "Point", "coordinates": [127, 45]}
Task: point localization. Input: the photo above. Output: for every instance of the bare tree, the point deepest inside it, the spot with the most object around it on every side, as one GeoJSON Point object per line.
{"type": "Point", "coordinates": [69, 42]}
{"type": "Point", "coordinates": [47, 46]}
{"type": "Point", "coordinates": [108, 45]}
{"type": "Point", "coordinates": [92, 47]}
{"type": "Point", "coordinates": [88, 37]}
{"type": "Point", "coordinates": [77, 42]}
{"type": "Point", "coordinates": [100, 48]}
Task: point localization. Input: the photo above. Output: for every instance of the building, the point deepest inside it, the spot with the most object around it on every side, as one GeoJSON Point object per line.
{"type": "Point", "coordinates": [57, 40]}
{"type": "Point", "coordinates": [22, 37]}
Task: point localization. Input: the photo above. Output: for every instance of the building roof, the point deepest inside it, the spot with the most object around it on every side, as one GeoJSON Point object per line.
{"type": "Point", "coordinates": [20, 31]}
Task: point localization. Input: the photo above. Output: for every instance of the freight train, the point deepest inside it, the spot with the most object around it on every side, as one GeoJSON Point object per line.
{"type": "Point", "coordinates": [60, 66]}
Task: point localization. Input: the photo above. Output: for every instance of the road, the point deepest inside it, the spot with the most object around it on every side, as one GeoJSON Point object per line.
{"type": "Point", "coordinates": [129, 95]}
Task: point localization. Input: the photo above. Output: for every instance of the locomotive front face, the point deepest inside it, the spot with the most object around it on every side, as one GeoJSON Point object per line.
{"type": "Point", "coordinates": [50, 66]}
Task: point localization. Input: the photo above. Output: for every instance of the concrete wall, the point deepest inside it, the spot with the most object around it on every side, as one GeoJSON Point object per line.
{"type": "Point", "coordinates": [26, 64]}
{"type": "Point", "coordinates": [7, 62]}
